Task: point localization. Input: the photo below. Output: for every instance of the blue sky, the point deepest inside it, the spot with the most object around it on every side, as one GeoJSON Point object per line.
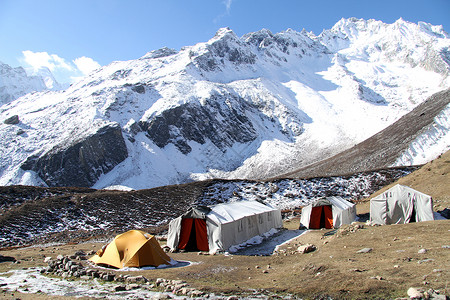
{"type": "Point", "coordinates": [72, 37]}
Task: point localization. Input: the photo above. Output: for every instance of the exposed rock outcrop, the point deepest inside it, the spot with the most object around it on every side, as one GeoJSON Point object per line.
{"type": "Point", "coordinates": [195, 122]}
{"type": "Point", "coordinates": [81, 163]}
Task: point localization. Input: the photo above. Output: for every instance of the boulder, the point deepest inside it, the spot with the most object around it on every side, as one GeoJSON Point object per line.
{"type": "Point", "coordinates": [119, 288]}
{"type": "Point", "coordinates": [136, 279]}
{"type": "Point", "coordinates": [12, 120]}
{"type": "Point", "coordinates": [306, 248]}
{"type": "Point", "coordinates": [414, 293]}
{"type": "Point", "coordinates": [365, 250]}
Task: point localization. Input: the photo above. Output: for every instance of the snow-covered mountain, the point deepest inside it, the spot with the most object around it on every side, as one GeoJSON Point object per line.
{"type": "Point", "coordinates": [237, 107]}
{"type": "Point", "coordinates": [16, 82]}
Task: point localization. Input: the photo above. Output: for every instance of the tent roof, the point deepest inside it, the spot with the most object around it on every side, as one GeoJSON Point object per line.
{"type": "Point", "coordinates": [229, 212]}
{"type": "Point", "coordinates": [399, 187]}
{"type": "Point", "coordinates": [339, 202]}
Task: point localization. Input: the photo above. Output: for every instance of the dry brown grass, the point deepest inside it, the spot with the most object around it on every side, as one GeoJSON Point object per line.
{"type": "Point", "coordinates": [334, 269]}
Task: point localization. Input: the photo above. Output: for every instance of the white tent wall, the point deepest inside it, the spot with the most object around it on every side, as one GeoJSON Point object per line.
{"type": "Point", "coordinates": [231, 224]}
{"type": "Point", "coordinates": [173, 236]}
{"type": "Point", "coordinates": [344, 212]}
{"type": "Point", "coordinates": [399, 205]}
{"type": "Point", "coordinates": [305, 217]}
{"type": "Point", "coordinates": [241, 230]}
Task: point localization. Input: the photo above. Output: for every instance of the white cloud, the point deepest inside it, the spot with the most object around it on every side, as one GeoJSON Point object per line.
{"type": "Point", "coordinates": [86, 64]}
{"type": "Point", "coordinates": [64, 71]}
{"type": "Point", "coordinates": [228, 5]}
{"type": "Point", "coordinates": [38, 60]}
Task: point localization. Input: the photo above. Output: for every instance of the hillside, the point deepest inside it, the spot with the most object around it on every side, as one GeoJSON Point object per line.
{"type": "Point", "coordinates": [39, 215]}
{"type": "Point", "coordinates": [428, 121]}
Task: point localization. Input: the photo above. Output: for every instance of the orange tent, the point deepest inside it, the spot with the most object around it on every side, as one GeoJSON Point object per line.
{"type": "Point", "coordinates": [134, 248]}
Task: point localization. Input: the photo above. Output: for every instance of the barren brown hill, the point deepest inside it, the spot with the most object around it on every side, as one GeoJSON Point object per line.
{"type": "Point", "coordinates": [382, 149]}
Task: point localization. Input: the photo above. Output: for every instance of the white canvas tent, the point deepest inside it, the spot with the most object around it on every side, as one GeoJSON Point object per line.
{"type": "Point", "coordinates": [401, 204]}
{"type": "Point", "coordinates": [219, 227]}
{"type": "Point", "coordinates": [328, 212]}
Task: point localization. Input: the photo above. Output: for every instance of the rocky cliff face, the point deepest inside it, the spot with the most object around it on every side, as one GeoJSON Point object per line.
{"type": "Point", "coordinates": [81, 163]}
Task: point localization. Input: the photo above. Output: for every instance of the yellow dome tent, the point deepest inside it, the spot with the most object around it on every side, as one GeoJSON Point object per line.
{"type": "Point", "coordinates": [134, 248]}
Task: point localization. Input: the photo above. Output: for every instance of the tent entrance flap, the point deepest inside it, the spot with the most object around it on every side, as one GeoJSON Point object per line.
{"type": "Point", "coordinates": [193, 235]}
{"type": "Point", "coordinates": [321, 217]}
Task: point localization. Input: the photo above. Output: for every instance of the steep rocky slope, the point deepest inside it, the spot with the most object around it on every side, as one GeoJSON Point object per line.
{"type": "Point", "coordinates": [428, 121]}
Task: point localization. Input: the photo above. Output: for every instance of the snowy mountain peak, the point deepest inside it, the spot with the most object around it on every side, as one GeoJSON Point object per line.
{"type": "Point", "coordinates": [163, 52]}
{"type": "Point", "coordinates": [15, 83]}
{"type": "Point", "coordinates": [236, 107]}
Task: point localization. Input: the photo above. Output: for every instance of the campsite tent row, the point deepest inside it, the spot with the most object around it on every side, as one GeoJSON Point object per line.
{"type": "Point", "coordinates": [219, 227]}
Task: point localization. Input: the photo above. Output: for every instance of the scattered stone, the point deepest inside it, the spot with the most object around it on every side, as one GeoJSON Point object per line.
{"type": "Point", "coordinates": [414, 293]}
{"type": "Point", "coordinates": [160, 281]}
{"type": "Point", "coordinates": [80, 253]}
{"type": "Point", "coordinates": [422, 251]}
{"type": "Point", "coordinates": [446, 246]}
{"type": "Point", "coordinates": [365, 250]}
{"type": "Point", "coordinates": [306, 248]}
{"type": "Point", "coordinates": [12, 120]}
{"type": "Point", "coordinates": [119, 288]}
{"type": "Point", "coordinates": [425, 260]}
{"type": "Point", "coordinates": [265, 271]}
{"type": "Point", "coordinates": [132, 286]}
{"type": "Point", "coordinates": [377, 277]}
{"type": "Point", "coordinates": [196, 293]}
{"type": "Point", "coordinates": [358, 270]}
{"type": "Point", "coordinates": [161, 296]}
{"type": "Point", "coordinates": [47, 259]}
{"type": "Point", "coordinates": [136, 279]}
{"type": "Point", "coordinates": [108, 277]}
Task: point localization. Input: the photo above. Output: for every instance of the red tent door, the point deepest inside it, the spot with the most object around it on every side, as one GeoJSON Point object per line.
{"type": "Point", "coordinates": [321, 217]}
{"type": "Point", "coordinates": [193, 235]}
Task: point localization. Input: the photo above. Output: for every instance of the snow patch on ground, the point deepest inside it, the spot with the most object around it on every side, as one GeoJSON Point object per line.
{"type": "Point", "coordinates": [267, 245]}
{"type": "Point", "coordinates": [31, 281]}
